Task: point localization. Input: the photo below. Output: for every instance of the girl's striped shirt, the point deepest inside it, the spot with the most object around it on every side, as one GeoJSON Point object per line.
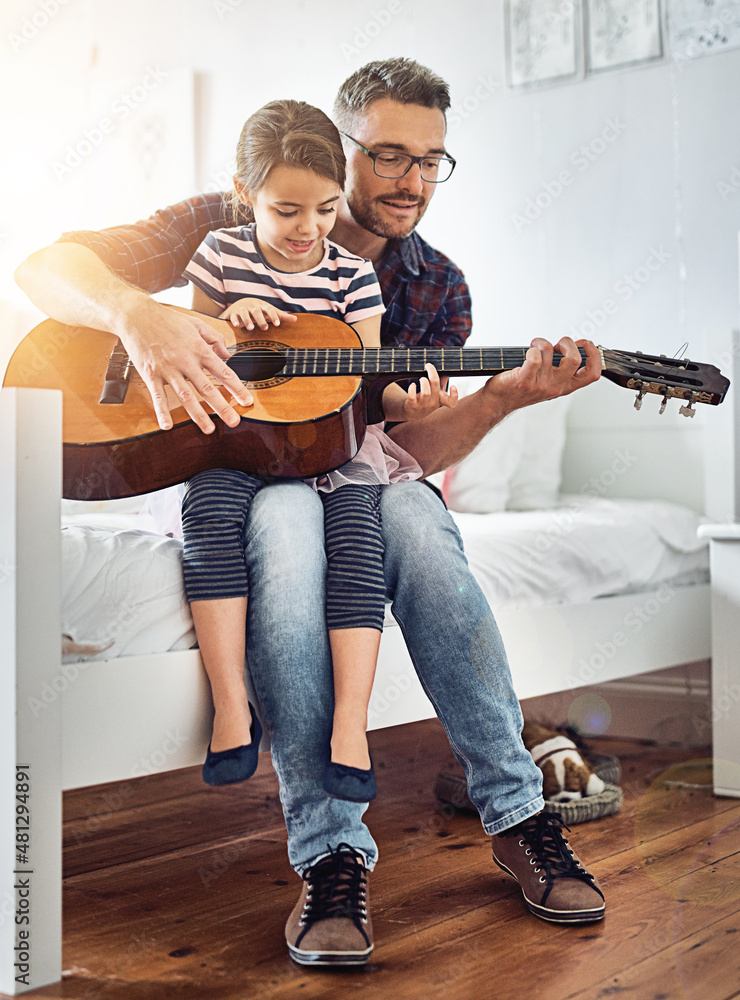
{"type": "Point", "coordinates": [228, 265]}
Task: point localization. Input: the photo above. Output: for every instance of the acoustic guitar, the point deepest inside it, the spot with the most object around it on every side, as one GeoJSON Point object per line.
{"type": "Point", "coordinates": [315, 391]}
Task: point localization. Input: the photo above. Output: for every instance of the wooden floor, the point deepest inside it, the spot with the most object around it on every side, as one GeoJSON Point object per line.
{"type": "Point", "coordinates": [176, 890]}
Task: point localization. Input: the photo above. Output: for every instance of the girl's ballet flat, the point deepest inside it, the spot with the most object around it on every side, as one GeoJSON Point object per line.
{"type": "Point", "coordinates": [351, 783]}
{"type": "Point", "coordinates": [227, 767]}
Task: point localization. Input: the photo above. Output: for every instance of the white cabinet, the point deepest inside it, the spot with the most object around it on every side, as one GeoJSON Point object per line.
{"type": "Point", "coordinates": [725, 569]}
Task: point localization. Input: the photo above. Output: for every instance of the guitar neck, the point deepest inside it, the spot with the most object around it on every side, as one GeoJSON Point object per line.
{"type": "Point", "coordinates": [407, 362]}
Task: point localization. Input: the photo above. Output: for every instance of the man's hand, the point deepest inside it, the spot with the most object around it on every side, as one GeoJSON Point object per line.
{"type": "Point", "coordinates": [446, 436]}
{"type": "Point", "coordinates": [168, 347]}
{"type": "Point", "coordinates": [537, 379]}
{"type": "Point", "coordinates": [429, 398]}
{"type": "Point", "coordinates": [248, 312]}
{"type": "Point", "coordinates": [71, 284]}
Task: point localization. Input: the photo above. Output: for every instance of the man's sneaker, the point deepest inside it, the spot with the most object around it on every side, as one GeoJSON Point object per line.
{"type": "Point", "coordinates": [330, 924]}
{"type": "Point", "coordinates": [554, 883]}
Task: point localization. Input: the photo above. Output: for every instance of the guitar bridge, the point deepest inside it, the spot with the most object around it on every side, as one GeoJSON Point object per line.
{"type": "Point", "coordinates": [117, 374]}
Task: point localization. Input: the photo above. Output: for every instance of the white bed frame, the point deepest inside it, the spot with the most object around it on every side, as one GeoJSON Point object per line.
{"type": "Point", "coordinates": [83, 724]}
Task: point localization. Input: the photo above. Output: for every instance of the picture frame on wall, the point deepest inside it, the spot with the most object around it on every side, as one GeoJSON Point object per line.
{"type": "Point", "coordinates": [623, 33]}
{"type": "Point", "coordinates": [698, 28]}
{"type": "Point", "coordinates": [544, 42]}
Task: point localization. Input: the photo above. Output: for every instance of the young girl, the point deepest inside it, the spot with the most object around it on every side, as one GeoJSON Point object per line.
{"type": "Point", "coordinates": [290, 174]}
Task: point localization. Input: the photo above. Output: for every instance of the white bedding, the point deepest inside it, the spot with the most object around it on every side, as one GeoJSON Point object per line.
{"type": "Point", "coordinates": [582, 549]}
{"type": "Point", "coordinates": [121, 594]}
{"type": "Point", "coordinates": [122, 586]}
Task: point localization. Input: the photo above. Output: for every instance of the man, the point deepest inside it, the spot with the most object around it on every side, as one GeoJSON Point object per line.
{"type": "Point", "coordinates": [392, 115]}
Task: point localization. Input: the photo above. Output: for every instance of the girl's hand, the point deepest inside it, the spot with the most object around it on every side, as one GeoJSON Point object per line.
{"type": "Point", "coordinates": [429, 398]}
{"type": "Point", "coordinates": [250, 312]}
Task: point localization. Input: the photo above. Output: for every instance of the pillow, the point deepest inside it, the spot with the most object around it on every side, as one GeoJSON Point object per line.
{"type": "Point", "coordinates": [517, 465]}
{"type": "Point", "coordinates": [480, 483]}
{"type": "Point", "coordinates": [535, 484]}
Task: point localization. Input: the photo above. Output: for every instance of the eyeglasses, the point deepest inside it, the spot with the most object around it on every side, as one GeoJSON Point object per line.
{"type": "Point", "coordinates": [390, 164]}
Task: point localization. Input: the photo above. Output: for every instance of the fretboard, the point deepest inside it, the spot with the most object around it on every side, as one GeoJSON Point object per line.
{"type": "Point", "coordinates": [410, 361]}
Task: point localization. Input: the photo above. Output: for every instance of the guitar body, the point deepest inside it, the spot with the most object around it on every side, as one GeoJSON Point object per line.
{"type": "Point", "coordinates": [313, 386]}
{"type": "Point", "coordinates": [297, 427]}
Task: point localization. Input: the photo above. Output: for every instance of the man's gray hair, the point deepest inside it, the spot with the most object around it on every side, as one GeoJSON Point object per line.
{"type": "Point", "coordinates": [399, 79]}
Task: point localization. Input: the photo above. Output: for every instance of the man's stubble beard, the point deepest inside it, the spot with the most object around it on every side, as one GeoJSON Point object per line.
{"type": "Point", "coordinates": [365, 214]}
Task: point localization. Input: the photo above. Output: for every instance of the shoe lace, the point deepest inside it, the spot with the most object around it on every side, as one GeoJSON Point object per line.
{"type": "Point", "coordinates": [336, 888]}
{"type": "Point", "coordinates": [550, 851]}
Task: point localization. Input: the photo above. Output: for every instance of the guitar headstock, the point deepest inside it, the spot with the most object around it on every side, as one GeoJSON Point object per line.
{"type": "Point", "coordinates": [670, 378]}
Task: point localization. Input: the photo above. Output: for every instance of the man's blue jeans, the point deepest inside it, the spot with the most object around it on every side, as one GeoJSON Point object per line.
{"type": "Point", "coordinates": [452, 637]}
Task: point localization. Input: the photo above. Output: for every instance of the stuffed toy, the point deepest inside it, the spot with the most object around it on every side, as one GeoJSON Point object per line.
{"type": "Point", "coordinates": [565, 774]}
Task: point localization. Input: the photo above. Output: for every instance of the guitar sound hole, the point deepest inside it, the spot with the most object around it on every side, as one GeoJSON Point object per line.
{"type": "Point", "coordinates": [259, 363]}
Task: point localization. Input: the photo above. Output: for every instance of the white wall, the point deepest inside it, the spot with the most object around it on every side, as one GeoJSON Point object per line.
{"type": "Point", "coordinates": [653, 188]}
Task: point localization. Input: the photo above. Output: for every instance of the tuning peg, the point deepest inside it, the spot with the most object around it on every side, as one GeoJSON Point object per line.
{"type": "Point", "coordinates": [663, 405]}
{"type": "Point", "coordinates": [639, 398]}
{"type": "Point", "coordinates": [688, 411]}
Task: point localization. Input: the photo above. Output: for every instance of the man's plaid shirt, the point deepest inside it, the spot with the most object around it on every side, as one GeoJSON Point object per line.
{"type": "Point", "coordinates": [426, 297]}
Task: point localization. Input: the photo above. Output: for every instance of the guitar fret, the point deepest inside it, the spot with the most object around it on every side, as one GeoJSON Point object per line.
{"type": "Point", "coordinates": [404, 361]}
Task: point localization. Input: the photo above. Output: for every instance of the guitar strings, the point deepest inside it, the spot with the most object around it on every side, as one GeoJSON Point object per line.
{"type": "Point", "coordinates": [341, 359]}
{"type": "Point", "coordinates": [408, 360]}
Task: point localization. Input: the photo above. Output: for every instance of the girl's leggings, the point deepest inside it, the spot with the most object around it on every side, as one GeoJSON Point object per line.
{"type": "Point", "coordinates": [214, 516]}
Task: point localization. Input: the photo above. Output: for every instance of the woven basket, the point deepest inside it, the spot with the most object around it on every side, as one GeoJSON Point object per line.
{"type": "Point", "coordinates": [451, 788]}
